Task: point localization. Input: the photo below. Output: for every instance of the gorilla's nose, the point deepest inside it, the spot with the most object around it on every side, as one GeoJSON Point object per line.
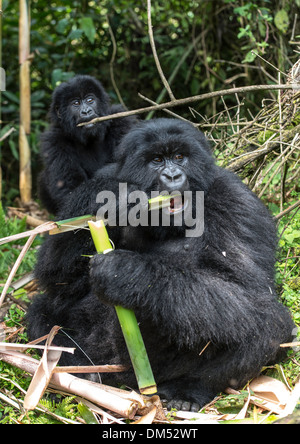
{"type": "Point", "coordinates": [173, 179]}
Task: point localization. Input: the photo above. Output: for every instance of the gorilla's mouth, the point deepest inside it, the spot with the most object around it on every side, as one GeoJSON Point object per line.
{"type": "Point", "coordinates": [177, 205]}
{"type": "Point", "coordinates": [87, 125]}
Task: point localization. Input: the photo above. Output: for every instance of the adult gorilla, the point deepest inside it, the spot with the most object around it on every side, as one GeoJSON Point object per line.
{"type": "Point", "coordinates": [72, 154]}
{"type": "Point", "coordinates": [206, 305]}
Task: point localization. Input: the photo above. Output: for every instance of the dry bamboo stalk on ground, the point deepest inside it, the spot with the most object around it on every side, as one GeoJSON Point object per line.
{"type": "Point", "coordinates": [71, 384]}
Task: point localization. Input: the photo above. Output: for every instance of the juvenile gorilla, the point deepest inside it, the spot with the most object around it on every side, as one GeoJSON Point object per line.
{"type": "Point", "coordinates": [206, 306]}
{"type": "Point", "coordinates": [72, 154]}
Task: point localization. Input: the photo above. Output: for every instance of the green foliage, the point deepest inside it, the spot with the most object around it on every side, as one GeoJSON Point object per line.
{"type": "Point", "coordinates": [288, 270]}
{"type": "Point", "coordinates": [9, 252]}
{"type": "Point", "coordinates": [253, 36]}
{"type": "Point", "coordinates": [281, 21]}
{"type": "Point", "coordinates": [221, 39]}
{"type": "Point", "coordinates": [213, 45]}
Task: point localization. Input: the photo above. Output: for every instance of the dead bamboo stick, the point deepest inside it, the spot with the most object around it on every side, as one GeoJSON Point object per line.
{"type": "Point", "coordinates": [25, 105]}
{"type": "Point", "coordinates": [25, 181]}
{"type": "Point", "coordinates": [71, 384]}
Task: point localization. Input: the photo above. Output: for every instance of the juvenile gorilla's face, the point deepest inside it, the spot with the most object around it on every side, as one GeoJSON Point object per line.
{"type": "Point", "coordinates": [84, 109]}
{"type": "Point", "coordinates": [80, 100]}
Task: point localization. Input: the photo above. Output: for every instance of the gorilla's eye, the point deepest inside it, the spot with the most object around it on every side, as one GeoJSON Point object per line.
{"type": "Point", "coordinates": [76, 102]}
{"type": "Point", "coordinates": [179, 157]}
{"type": "Point", "coordinates": [90, 100]}
{"type": "Point", "coordinates": [158, 159]}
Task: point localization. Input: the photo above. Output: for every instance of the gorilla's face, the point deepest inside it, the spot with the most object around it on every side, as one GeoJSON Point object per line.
{"type": "Point", "coordinates": [163, 157]}
{"type": "Point", "coordinates": [170, 170]}
{"type": "Point", "coordinates": [80, 100]}
{"type": "Point", "coordinates": [160, 155]}
{"type": "Point", "coordinates": [84, 109]}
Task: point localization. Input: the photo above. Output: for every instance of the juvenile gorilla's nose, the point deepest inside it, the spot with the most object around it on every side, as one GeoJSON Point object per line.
{"type": "Point", "coordinates": [86, 111]}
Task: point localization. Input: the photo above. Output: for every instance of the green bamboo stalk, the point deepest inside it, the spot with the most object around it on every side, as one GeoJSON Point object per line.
{"type": "Point", "coordinates": [161, 201]}
{"type": "Point", "coordinates": [128, 322]}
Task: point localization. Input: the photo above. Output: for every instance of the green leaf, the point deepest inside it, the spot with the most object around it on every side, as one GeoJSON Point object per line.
{"type": "Point", "coordinates": [75, 34]}
{"type": "Point", "coordinates": [11, 96]}
{"type": "Point", "coordinates": [62, 26]}
{"type": "Point", "coordinates": [56, 77]}
{"type": "Point", "coordinates": [37, 96]}
{"type": "Point", "coordinates": [87, 415]}
{"type": "Point", "coordinates": [88, 27]}
{"type": "Point", "coordinates": [250, 57]}
{"type": "Point", "coordinates": [281, 21]}
{"type": "Point", "coordinates": [290, 237]}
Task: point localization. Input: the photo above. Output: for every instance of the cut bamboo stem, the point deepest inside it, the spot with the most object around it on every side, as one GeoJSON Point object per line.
{"type": "Point", "coordinates": [128, 322]}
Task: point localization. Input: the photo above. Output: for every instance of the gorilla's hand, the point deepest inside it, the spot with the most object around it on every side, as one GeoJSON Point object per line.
{"type": "Point", "coordinates": [110, 279]}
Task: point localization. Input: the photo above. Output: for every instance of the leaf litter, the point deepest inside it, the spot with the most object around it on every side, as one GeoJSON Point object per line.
{"type": "Point", "coordinates": [107, 405]}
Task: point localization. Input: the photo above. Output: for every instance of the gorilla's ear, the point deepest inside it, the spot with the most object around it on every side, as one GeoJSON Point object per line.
{"type": "Point", "coordinates": [58, 112]}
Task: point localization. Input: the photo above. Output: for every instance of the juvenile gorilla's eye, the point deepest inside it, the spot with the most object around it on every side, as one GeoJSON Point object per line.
{"type": "Point", "coordinates": [76, 102]}
{"type": "Point", "coordinates": [179, 157]}
{"type": "Point", "coordinates": [90, 100]}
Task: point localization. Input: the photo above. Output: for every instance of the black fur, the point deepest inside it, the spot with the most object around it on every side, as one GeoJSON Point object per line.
{"type": "Point", "coordinates": [71, 154]}
{"type": "Point", "coordinates": [186, 292]}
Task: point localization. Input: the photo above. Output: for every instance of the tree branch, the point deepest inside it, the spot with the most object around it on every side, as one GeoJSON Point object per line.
{"type": "Point", "coordinates": [288, 210]}
{"type": "Point", "coordinates": [111, 64]}
{"type": "Point", "coordinates": [158, 65]}
{"type": "Point", "coordinates": [188, 100]}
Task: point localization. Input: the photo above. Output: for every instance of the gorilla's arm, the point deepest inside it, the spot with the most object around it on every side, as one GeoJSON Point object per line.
{"type": "Point", "coordinates": [185, 303]}
{"type": "Point", "coordinates": [62, 172]}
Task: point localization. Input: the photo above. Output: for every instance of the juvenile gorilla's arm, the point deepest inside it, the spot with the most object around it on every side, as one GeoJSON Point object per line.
{"type": "Point", "coordinates": [83, 199]}
{"type": "Point", "coordinates": [61, 175]}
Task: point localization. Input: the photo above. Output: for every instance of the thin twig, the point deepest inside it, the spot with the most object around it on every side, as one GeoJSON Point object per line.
{"type": "Point", "coordinates": [112, 61]}
{"type": "Point", "coordinates": [173, 76]}
{"type": "Point", "coordinates": [16, 266]}
{"type": "Point", "coordinates": [289, 146]}
{"type": "Point", "coordinates": [269, 63]}
{"type": "Point", "coordinates": [158, 65]}
{"type": "Point", "coordinates": [294, 29]}
{"type": "Point", "coordinates": [9, 132]}
{"type": "Point", "coordinates": [188, 100]}
{"type": "Point", "coordinates": [288, 210]}
{"type": "Point", "coordinates": [176, 116]}
{"type": "Point", "coordinates": [283, 165]}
